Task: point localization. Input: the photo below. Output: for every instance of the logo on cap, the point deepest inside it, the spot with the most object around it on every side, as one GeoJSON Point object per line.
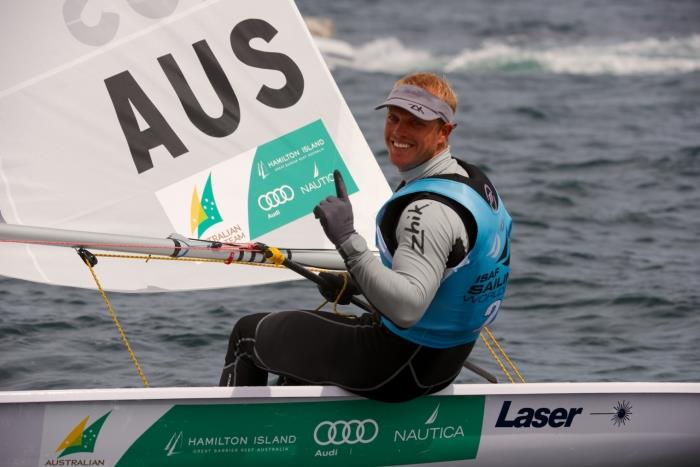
{"type": "Point", "coordinates": [418, 108]}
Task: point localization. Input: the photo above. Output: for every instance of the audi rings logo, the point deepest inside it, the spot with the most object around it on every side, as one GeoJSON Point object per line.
{"type": "Point", "coordinates": [346, 432]}
{"type": "Point", "coordinates": [276, 197]}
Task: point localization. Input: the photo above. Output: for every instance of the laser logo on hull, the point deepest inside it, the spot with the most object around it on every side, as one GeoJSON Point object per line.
{"type": "Point", "coordinates": [528, 417]}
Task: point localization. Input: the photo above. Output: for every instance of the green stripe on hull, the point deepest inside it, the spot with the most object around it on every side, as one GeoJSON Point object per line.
{"type": "Point", "coordinates": [352, 432]}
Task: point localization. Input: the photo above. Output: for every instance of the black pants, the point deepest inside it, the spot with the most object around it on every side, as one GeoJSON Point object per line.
{"type": "Point", "coordinates": [321, 348]}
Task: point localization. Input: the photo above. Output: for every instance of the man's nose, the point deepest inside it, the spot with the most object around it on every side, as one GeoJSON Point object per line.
{"type": "Point", "coordinates": [400, 129]}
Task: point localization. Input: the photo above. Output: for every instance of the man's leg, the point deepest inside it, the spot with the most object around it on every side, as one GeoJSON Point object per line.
{"type": "Point", "coordinates": [321, 348]}
{"type": "Point", "coordinates": [239, 367]}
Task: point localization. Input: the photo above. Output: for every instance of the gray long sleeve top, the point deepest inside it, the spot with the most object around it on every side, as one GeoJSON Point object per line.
{"type": "Point", "coordinates": [405, 291]}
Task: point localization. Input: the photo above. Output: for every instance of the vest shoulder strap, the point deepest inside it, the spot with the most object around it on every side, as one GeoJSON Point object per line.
{"type": "Point", "coordinates": [477, 181]}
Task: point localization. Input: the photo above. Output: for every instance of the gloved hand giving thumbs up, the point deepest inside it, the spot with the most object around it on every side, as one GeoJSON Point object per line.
{"type": "Point", "coordinates": [335, 213]}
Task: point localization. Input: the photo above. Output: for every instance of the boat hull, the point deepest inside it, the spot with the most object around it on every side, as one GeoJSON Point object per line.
{"type": "Point", "coordinates": [535, 424]}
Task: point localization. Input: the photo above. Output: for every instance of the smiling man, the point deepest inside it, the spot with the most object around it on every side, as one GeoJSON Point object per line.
{"type": "Point", "coordinates": [414, 132]}
{"type": "Point", "coordinates": [443, 239]}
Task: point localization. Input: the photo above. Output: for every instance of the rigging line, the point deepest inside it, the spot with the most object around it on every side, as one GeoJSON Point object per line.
{"type": "Point", "coordinates": [85, 255]}
{"type": "Point", "coordinates": [495, 357]}
{"type": "Point", "coordinates": [505, 355]}
{"type": "Point", "coordinates": [226, 247]}
{"type": "Point", "coordinates": [335, 309]}
{"type": "Point", "coordinates": [147, 258]}
{"type": "Point", "coordinates": [277, 257]}
{"type": "Point", "coordinates": [346, 281]}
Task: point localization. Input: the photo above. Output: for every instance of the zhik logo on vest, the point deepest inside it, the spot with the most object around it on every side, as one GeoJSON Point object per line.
{"type": "Point", "coordinates": [80, 439]}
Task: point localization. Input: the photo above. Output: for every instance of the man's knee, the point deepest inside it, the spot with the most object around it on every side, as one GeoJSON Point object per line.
{"type": "Point", "coordinates": [246, 325]}
{"type": "Point", "coordinates": [243, 333]}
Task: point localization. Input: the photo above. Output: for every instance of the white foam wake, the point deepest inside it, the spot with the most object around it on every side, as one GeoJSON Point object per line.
{"type": "Point", "coordinates": [647, 56]}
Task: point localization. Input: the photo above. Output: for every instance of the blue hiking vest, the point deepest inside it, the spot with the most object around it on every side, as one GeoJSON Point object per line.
{"type": "Point", "coordinates": [474, 282]}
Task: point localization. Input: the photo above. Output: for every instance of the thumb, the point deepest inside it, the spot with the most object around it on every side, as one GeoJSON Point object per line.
{"type": "Point", "coordinates": [340, 190]}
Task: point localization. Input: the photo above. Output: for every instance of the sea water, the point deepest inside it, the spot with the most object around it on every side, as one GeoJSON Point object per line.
{"type": "Point", "coordinates": [586, 116]}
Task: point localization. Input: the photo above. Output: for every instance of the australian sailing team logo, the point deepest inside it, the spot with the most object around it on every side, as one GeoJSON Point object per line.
{"type": "Point", "coordinates": [80, 439]}
{"type": "Point", "coordinates": [203, 211]}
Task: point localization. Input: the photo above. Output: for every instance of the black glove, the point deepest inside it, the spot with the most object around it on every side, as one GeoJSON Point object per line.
{"type": "Point", "coordinates": [334, 284]}
{"type": "Point", "coordinates": [335, 213]}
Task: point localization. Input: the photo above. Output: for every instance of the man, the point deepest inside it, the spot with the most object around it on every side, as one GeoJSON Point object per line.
{"type": "Point", "coordinates": [443, 239]}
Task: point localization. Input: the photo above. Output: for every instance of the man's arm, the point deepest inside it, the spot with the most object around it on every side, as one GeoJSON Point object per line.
{"type": "Point", "coordinates": [426, 233]}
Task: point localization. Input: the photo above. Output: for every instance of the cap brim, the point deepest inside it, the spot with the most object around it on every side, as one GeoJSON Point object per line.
{"type": "Point", "coordinates": [416, 109]}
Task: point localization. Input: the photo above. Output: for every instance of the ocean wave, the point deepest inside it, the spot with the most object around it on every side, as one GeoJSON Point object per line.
{"type": "Point", "coordinates": [642, 57]}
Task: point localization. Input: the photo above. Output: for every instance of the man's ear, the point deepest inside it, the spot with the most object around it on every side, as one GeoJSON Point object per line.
{"type": "Point", "coordinates": [445, 131]}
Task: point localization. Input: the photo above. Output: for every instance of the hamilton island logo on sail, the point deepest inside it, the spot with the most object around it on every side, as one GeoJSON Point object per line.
{"type": "Point", "coordinates": [203, 211]}
{"type": "Point", "coordinates": [80, 439]}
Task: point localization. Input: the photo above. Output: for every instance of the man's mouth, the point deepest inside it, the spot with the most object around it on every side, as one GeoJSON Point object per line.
{"type": "Point", "coordinates": [400, 145]}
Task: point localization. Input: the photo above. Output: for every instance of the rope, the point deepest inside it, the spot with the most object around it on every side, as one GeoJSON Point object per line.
{"type": "Point", "coordinates": [346, 281]}
{"type": "Point", "coordinates": [148, 258]}
{"type": "Point", "coordinates": [485, 339]}
{"type": "Point", "coordinates": [122, 334]}
{"type": "Point", "coordinates": [277, 257]}
{"type": "Point", "coordinates": [495, 357]}
{"type": "Point", "coordinates": [505, 355]}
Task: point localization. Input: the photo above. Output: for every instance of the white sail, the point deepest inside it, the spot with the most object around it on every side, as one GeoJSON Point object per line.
{"type": "Point", "coordinates": [216, 120]}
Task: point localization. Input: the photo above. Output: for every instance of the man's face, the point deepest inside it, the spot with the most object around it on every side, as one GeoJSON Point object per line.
{"type": "Point", "coordinates": [412, 141]}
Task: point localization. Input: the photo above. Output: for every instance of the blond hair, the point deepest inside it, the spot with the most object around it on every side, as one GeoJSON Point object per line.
{"type": "Point", "coordinates": [435, 85]}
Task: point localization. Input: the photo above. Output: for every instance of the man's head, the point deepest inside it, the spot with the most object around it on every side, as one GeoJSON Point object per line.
{"type": "Point", "coordinates": [420, 113]}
